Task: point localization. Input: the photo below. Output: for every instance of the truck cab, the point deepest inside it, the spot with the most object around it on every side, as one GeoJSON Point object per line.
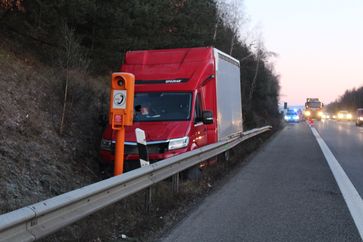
{"type": "Point", "coordinates": [313, 109]}
{"type": "Point", "coordinates": [175, 104]}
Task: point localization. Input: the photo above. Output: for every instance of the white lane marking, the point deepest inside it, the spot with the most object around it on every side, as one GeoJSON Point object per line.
{"type": "Point", "coordinates": [350, 194]}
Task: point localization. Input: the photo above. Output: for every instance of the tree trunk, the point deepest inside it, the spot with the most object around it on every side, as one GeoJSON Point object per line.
{"type": "Point", "coordinates": [232, 45]}
{"type": "Point", "coordinates": [253, 84]}
{"type": "Point", "coordinates": [215, 32]}
{"type": "Point", "coordinates": [64, 104]}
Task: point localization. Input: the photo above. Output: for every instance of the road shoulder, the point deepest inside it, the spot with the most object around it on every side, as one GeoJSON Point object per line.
{"type": "Point", "coordinates": [285, 193]}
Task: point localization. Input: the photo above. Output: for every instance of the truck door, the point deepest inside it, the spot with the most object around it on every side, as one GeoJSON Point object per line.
{"type": "Point", "coordinates": [199, 130]}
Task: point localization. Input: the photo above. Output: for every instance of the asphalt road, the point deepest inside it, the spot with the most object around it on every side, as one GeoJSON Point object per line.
{"type": "Point", "coordinates": [345, 140]}
{"type": "Point", "coordinates": [286, 192]}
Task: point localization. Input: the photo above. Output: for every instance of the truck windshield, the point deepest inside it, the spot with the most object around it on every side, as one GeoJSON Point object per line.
{"type": "Point", "coordinates": [162, 106]}
{"type": "Point", "coordinates": [313, 105]}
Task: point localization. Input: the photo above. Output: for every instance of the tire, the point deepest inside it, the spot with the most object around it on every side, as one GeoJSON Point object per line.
{"type": "Point", "coordinates": [226, 156]}
{"type": "Point", "coordinates": [102, 167]}
{"type": "Point", "coordinates": [193, 173]}
{"type": "Point", "coordinates": [105, 171]}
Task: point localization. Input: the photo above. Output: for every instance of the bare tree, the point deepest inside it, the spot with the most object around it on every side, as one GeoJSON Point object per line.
{"type": "Point", "coordinates": [253, 83]}
{"type": "Point", "coordinates": [221, 12]}
{"type": "Point", "coordinates": [232, 13]}
{"type": "Point", "coordinates": [70, 57]}
{"type": "Point", "coordinates": [261, 55]}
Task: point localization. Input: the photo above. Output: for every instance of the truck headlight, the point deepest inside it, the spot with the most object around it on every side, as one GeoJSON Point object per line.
{"type": "Point", "coordinates": [307, 113]}
{"type": "Point", "coordinates": [106, 144]}
{"type": "Point", "coordinates": [349, 116]}
{"type": "Point", "coordinates": [320, 114]}
{"type": "Point", "coordinates": [178, 143]}
{"type": "Point", "coordinates": [340, 115]}
{"type": "Point", "coordinates": [361, 118]}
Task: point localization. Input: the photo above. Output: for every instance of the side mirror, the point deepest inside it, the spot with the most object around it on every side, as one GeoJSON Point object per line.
{"type": "Point", "coordinates": [207, 117]}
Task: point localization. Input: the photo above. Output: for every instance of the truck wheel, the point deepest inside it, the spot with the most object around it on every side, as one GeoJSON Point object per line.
{"type": "Point", "coordinates": [102, 167]}
{"type": "Point", "coordinates": [225, 156]}
{"type": "Point", "coordinates": [193, 173]}
{"type": "Point", "coordinates": [105, 171]}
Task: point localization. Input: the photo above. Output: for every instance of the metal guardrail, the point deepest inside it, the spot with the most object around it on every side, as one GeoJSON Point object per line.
{"type": "Point", "coordinates": [43, 218]}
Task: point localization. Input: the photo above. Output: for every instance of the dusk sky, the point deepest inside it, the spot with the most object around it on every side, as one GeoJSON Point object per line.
{"type": "Point", "coordinates": [319, 45]}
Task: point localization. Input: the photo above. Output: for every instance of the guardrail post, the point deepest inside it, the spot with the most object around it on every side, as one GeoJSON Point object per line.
{"type": "Point", "coordinates": [175, 183]}
{"type": "Point", "coordinates": [144, 161]}
{"type": "Point", "coordinates": [148, 199]}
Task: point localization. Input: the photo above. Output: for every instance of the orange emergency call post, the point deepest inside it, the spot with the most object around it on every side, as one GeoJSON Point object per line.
{"type": "Point", "coordinates": [121, 112]}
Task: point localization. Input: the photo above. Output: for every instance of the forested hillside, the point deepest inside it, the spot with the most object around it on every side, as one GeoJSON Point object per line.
{"type": "Point", "coordinates": [350, 100]}
{"type": "Point", "coordinates": [56, 58]}
{"type": "Point", "coordinates": [94, 35]}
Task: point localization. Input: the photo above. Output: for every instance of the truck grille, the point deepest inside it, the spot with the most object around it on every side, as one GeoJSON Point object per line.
{"type": "Point", "coordinates": [153, 148]}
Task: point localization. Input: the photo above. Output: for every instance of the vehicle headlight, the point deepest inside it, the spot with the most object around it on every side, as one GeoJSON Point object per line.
{"type": "Point", "coordinates": [106, 144]}
{"type": "Point", "coordinates": [340, 115]}
{"type": "Point", "coordinates": [307, 113]}
{"type": "Point", "coordinates": [320, 113]}
{"type": "Point", "coordinates": [178, 143]}
{"type": "Point", "coordinates": [361, 118]}
{"type": "Point", "coordinates": [349, 116]}
{"type": "Point", "coordinates": [286, 117]}
{"type": "Point", "coordinates": [296, 117]}
{"type": "Point", "coordinates": [334, 116]}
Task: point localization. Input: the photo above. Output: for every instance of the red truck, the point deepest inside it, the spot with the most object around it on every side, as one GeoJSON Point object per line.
{"type": "Point", "coordinates": [184, 99]}
{"type": "Point", "coordinates": [313, 109]}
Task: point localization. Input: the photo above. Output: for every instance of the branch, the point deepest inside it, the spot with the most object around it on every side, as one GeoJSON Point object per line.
{"type": "Point", "coordinates": [253, 84]}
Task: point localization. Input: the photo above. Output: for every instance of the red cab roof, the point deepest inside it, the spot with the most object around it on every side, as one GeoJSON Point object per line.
{"type": "Point", "coordinates": [170, 69]}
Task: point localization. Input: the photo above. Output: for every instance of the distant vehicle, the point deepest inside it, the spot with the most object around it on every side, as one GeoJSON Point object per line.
{"type": "Point", "coordinates": [184, 99]}
{"type": "Point", "coordinates": [326, 116]}
{"type": "Point", "coordinates": [359, 117]}
{"type": "Point", "coordinates": [292, 116]}
{"type": "Point", "coordinates": [344, 116]}
{"type": "Point", "coordinates": [313, 109]}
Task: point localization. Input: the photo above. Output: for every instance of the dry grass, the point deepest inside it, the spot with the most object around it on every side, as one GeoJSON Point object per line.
{"type": "Point", "coordinates": [36, 163]}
